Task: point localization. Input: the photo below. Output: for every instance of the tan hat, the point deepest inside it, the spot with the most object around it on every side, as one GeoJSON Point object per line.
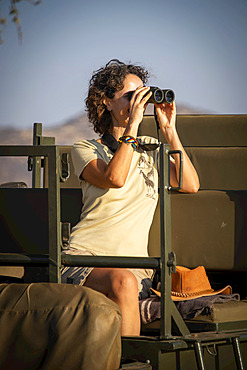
{"type": "Point", "coordinates": [191, 284]}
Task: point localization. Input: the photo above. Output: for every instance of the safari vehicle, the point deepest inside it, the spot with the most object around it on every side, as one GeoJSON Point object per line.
{"type": "Point", "coordinates": [205, 229]}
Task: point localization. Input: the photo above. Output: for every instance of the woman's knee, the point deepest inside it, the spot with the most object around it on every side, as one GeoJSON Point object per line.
{"type": "Point", "coordinates": [124, 283]}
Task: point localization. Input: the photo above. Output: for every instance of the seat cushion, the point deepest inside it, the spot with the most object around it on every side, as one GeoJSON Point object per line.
{"type": "Point", "coordinates": [51, 326]}
{"type": "Point", "coordinates": [229, 311]}
{"type": "Point", "coordinates": [231, 315]}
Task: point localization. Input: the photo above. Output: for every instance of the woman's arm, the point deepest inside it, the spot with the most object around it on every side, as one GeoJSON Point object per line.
{"type": "Point", "coordinates": [166, 114]}
{"type": "Point", "coordinates": [114, 174]}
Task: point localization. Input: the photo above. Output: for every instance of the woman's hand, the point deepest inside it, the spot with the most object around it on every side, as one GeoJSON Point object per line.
{"type": "Point", "coordinates": [166, 114]}
{"type": "Point", "coordinates": [138, 104]}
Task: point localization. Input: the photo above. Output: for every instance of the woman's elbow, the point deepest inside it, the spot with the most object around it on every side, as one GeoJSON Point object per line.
{"type": "Point", "coordinates": [194, 189]}
{"type": "Point", "coordinates": [116, 182]}
{"type": "Point", "coordinates": [191, 188]}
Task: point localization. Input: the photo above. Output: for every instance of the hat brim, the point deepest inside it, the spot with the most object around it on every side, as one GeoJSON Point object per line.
{"type": "Point", "coordinates": [176, 297]}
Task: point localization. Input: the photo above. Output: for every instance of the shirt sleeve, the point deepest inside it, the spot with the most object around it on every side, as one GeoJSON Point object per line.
{"type": "Point", "coordinates": [82, 153]}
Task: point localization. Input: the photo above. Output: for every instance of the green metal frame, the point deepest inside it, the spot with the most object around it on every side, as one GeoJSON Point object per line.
{"type": "Point", "coordinates": [51, 153]}
{"type": "Point", "coordinates": [55, 260]}
{"type": "Point", "coordinates": [167, 262]}
{"type": "Point", "coordinates": [54, 217]}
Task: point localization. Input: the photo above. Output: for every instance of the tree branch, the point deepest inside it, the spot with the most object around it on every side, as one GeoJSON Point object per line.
{"type": "Point", "coordinates": [14, 15]}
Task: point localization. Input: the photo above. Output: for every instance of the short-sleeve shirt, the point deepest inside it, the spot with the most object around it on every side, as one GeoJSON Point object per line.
{"type": "Point", "coordinates": [116, 222]}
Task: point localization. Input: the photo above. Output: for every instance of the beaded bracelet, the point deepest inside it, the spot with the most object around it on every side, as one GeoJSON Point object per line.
{"type": "Point", "coordinates": [129, 140]}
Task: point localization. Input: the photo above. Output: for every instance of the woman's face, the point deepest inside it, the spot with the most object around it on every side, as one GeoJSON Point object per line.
{"type": "Point", "coordinates": [120, 104]}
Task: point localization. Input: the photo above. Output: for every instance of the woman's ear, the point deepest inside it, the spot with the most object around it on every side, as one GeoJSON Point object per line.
{"type": "Point", "coordinates": [107, 103]}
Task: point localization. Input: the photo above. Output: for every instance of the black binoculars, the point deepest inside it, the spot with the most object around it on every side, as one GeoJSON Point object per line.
{"type": "Point", "coordinates": [159, 96]}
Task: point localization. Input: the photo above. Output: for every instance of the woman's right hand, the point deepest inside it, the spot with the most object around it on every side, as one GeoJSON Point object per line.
{"type": "Point", "coordinates": [138, 104]}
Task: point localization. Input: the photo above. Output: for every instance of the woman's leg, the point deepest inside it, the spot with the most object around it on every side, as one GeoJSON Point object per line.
{"type": "Point", "coordinates": [120, 285]}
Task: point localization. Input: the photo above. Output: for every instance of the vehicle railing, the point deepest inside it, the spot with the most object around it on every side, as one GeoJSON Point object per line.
{"type": "Point", "coordinates": [166, 263]}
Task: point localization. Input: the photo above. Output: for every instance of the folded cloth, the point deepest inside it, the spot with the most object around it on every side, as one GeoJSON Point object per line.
{"type": "Point", "coordinates": [189, 309]}
{"type": "Point", "coordinates": [194, 307]}
{"type": "Point", "coordinates": [149, 309]}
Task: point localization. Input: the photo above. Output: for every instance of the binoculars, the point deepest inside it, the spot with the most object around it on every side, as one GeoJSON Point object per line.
{"type": "Point", "coordinates": [159, 96]}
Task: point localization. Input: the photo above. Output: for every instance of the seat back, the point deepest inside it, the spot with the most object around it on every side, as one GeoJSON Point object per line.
{"type": "Point", "coordinates": [24, 224]}
{"type": "Point", "coordinates": [24, 218]}
{"type": "Point", "coordinates": [216, 145]}
{"type": "Point", "coordinates": [209, 228]}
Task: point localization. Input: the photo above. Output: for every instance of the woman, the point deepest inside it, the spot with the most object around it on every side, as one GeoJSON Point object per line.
{"type": "Point", "coordinates": [120, 188]}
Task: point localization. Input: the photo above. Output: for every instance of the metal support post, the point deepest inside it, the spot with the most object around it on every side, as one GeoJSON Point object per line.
{"type": "Point", "coordinates": [165, 245]}
{"type": "Point", "coordinates": [168, 261]}
{"type": "Point", "coordinates": [237, 353]}
{"type": "Point", "coordinates": [199, 356]}
{"type": "Point", "coordinates": [54, 216]}
{"type": "Point", "coordinates": [36, 164]}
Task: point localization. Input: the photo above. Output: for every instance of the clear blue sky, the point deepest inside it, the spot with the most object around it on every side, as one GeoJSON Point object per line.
{"type": "Point", "coordinates": [196, 47]}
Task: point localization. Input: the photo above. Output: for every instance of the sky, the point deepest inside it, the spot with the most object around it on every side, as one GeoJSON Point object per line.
{"type": "Point", "coordinates": [198, 48]}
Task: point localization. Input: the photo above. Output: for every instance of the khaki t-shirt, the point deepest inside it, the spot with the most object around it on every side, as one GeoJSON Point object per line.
{"type": "Point", "coordinates": [116, 222]}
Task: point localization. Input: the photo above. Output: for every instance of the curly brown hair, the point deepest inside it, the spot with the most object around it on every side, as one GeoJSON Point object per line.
{"type": "Point", "coordinates": [105, 82]}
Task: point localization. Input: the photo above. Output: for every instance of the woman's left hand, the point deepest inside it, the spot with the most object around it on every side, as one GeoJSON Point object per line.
{"type": "Point", "coordinates": [166, 114]}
